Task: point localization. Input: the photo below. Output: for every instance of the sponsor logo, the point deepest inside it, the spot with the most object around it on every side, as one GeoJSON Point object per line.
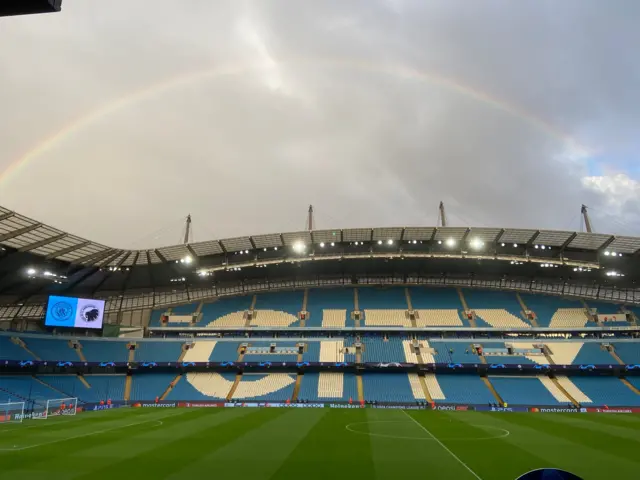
{"type": "Point", "coordinates": [33, 415]}
{"type": "Point", "coordinates": [446, 408]}
{"type": "Point", "coordinates": [155, 405]}
{"type": "Point", "coordinates": [554, 410]}
{"type": "Point", "coordinates": [200, 404]}
{"type": "Point", "coordinates": [462, 408]}
{"type": "Point", "coordinates": [399, 407]}
{"type": "Point", "coordinates": [339, 405]}
{"type": "Point", "coordinates": [612, 410]}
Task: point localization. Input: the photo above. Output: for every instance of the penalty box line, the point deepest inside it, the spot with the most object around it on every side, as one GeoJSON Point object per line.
{"type": "Point", "coordinates": [442, 445]}
{"type": "Point", "coordinates": [97, 432]}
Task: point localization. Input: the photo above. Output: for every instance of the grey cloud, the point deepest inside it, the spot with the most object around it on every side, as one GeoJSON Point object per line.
{"type": "Point", "coordinates": [317, 115]}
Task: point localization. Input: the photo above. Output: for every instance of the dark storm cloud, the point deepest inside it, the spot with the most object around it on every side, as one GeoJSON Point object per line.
{"type": "Point", "coordinates": [316, 107]}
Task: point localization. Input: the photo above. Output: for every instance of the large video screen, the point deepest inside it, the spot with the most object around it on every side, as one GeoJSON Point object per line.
{"type": "Point", "coordinates": [74, 312]}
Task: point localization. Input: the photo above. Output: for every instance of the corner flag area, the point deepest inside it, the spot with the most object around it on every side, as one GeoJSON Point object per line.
{"type": "Point", "coordinates": [318, 443]}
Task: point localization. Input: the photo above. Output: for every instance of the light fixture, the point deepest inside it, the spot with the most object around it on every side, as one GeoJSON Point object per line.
{"type": "Point", "coordinates": [476, 243]}
{"type": "Point", "coordinates": [439, 242]}
{"type": "Point", "coordinates": [31, 271]}
{"type": "Point", "coordinates": [515, 245]}
{"type": "Point", "coordinates": [415, 241]}
{"type": "Point", "coordinates": [502, 244]}
{"type": "Point", "coordinates": [451, 242]}
{"type": "Point", "coordinates": [389, 242]}
{"type": "Point", "coordinates": [379, 242]}
{"type": "Point", "coordinates": [542, 247]}
{"type": "Point", "coordinates": [299, 247]}
{"type": "Point", "coordinates": [537, 246]}
{"type": "Point", "coordinates": [333, 244]}
{"type": "Point", "coordinates": [321, 244]}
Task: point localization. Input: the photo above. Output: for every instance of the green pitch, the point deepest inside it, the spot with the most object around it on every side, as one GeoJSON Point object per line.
{"type": "Point", "coordinates": [327, 444]}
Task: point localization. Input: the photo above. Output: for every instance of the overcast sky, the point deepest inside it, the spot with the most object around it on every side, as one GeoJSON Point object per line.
{"type": "Point", "coordinates": [120, 117]}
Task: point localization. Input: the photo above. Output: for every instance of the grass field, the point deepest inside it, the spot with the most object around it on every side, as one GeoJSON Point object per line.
{"type": "Point", "coordinates": [317, 444]}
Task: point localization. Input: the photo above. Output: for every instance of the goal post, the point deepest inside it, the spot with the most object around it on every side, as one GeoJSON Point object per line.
{"type": "Point", "coordinates": [11, 412]}
{"type": "Point", "coordinates": [61, 406]}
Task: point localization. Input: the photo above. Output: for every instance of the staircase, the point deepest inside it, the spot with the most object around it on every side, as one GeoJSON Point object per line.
{"type": "Point", "coordinates": [296, 389]}
{"type": "Point", "coordinates": [84, 381]}
{"type": "Point", "coordinates": [407, 295]}
{"type": "Point", "coordinates": [523, 305]}
{"type": "Point", "coordinates": [132, 355]}
{"type": "Point", "coordinates": [547, 355]}
{"type": "Point", "coordinates": [631, 387]}
{"type": "Point", "coordinates": [564, 391]}
{"type": "Point", "coordinates": [616, 357]}
{"type": "Point", "coordinates": [234, 386]}
{"type": "Point", "coordinates": [170, 386]}
{"type": "Point", "coordinates": [127, 387]}
{"type": "Point", "coordinates": [495, 393]}
{"type": "Point", "coordinates": [78, 350]}
{"type": "Point", "coordinates": [18, 341]}
{"type": "Point", "coordinates": [360, 388]}
{"type": "Point", "coordinates": [423, 384]}
{"type": "Point", "coordinates": [197, 315]}
{"type": "Point", "coordinates": [356, 305]}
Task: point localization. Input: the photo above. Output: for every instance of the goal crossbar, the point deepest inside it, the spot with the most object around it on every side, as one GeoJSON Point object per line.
{"type": "Point", "coordinates": [12, 412]}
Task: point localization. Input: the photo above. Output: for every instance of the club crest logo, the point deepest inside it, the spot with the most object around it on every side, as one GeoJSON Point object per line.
{"type": "Point", "coordinates": [62, 311]}
{"type": "Point", "coordinates": [90, 313]}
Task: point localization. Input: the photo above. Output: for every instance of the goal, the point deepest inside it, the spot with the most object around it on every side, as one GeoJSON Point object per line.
{"type": "Point", "coordinates": [11, 412]}
{"type": "Point", "coordinates": [57, 407]}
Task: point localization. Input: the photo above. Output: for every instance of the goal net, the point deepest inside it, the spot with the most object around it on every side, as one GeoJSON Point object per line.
{"type": "Point", "coordinates": [57, 407]}
{"type": "Point", "coordinates": [11, 412]}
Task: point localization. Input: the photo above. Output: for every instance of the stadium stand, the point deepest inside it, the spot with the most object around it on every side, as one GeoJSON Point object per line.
{"type": "Point", "coordinates": [67, 385]}
{"type": "Point", "coordinates": [11, 351]}
{"type": "Point", "coordinates": [259, 351]}
{"type": "Point", "coordinates": [435, 299]}
{"type": "Point", "coordinates": [384, 307]}
{"type": "Point", "coordinates": [593, 353]}
{"type": "Point", "coordinates": [545, 306]}
{"type": "Point", "coordinates": [148, 386]}
{"type": "Point", "coordinates": [51, 349]}
{"type": "Point", "coordinates": [526, 391]}
{"type": "Point", "coordinates": [150, 351]}
{"type": "Point", "coordinates": [628, 352]}
{"type": "Point", "coordinates": [387, 387]}
{"type": "Point", "coordinates": [329, 308]}
{"type": "Point", "coordinates": [23, 388]}
{"type": "Point", "coordinates": [277, 309]}
{"type": "Point", "coordinates": [379, 350]}
{"type": "Point", "coordinates": [608, 391]}
{"type": "Point", "coordinates": [273, 387]}
{"type": "Point", "coordinates": [103, 387]}
{"type": "Point", "coordinates": [225, 312]}
{"type": "Point", "coordinates": [104, 351]}
{"type": "Point", "coordinates": [433, 387]}
{"type": "Point", "coordinates": [495, 309]}
{"type": "Point", "coordinates": [201, 386]}
{"type": "Point", "coordinates": [464, 389]}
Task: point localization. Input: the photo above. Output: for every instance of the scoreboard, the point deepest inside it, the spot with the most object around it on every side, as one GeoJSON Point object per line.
{"type": "Point", "coordinates": [27, 7]}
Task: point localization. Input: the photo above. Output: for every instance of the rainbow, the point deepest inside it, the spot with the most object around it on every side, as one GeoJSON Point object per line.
{"type": "Point", "coordinates": [153, 90]}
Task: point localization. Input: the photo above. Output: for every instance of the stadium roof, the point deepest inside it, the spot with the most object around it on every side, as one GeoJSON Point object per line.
{"type": "Point", "coordinates": [37, 259]}
{"type": "Point", "coordinates": [27, 235]}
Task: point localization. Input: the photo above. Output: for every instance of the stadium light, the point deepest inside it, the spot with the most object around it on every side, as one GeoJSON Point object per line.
{"type": "Point", "coordinates": [607, 253]}
{"type": "Point", "coordinates": [379, 242]}
{"type": "Point", "coordinates": [439, 242]}
{"type": "Point", "coordinates": [275, 249]}
{"type": "Point", "coordinates": [415, 241]}
{"type": "Point", "coordinates": [333, 244]}
{"type": "Point", "coordinates": [537, 246]}
{"type": "Point", "coordinates": [321, 244]}
{"type": "Point", "coordinates": [186, 260]}
{"type": "Point", "coordinates": [502, 244]}
{"type": "Point", "coordinates": [265, 249]}
{"type": "Point", "coordinates": [299, 247]}
{"type": "Point", "coordinates": [613, 254]}
{"type": "Point", "coordinates": [515, 245]}
{"type": "Point", "coordinates": [202, 273]}
{"type": "Point", "coordinates": [542, 247]}
{"type": "Point", "coordinates": [451, 242]}
{"type": "Point", "coordinates": [31, 271]}
{"type": "Point", "coordinates": [476, 243]}
{"type": "Point", "coordinates": [390, 242]}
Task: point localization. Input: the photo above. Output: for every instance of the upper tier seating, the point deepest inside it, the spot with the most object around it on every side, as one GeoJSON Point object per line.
{"type": "Point", "coordinates": [438, 318]}
{"type": "Point", "coordinates": [225, 312]}
{"type": "Point", "coordinates": [453, 352]}
{"type": "Point", "coordinates": [329, 307]}
{"type": "Point", "coordinates": [497, 352]}
{"type": "Point", "coordinates": [150, 351]}
{"type": "Point", "coordinates": [501, 309]}
{"type": "Point", "coordinates": [608, 391]}
{"type": "Point", "coordinates": [524, 391]}
{"type": "Point", "coordinates": [259, 352]}
{"type": "Point", "coordinates": [500, 318]}
{"type": "Point", "coordinates": [11, 351]}
{"type": "Point", "coordinates": [387, 387]}
{"type": "Point", "coordinates": [104, 351]}
{"type": "Point", "coordinates": [569, 317]}
{"type": "Point", "coordinates": [51, 349]}
{"type": "Point", "coordinates": [545, 306]}
{"type": "Point", "coordinates": [464, 389]}
{"type": "Point", "coordinates": [435, 299]}
{"type": "Point", "coordinates": [378, 298]}
{"type": "Point", "coordinates": [386, 318]}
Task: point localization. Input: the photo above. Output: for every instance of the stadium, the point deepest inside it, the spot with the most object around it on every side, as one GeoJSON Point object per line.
{"type": "Point", "coordinates": [440, 352]}
{"type": "Point", "coordinates": [442, 341]}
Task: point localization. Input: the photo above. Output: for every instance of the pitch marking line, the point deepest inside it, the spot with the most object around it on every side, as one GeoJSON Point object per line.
{"type": "Point", "coordinates": [97, 432]}
{"type": "Point", "coordinates": [443, 445]}
{"type": "Point", "coordinates": [350, 427]}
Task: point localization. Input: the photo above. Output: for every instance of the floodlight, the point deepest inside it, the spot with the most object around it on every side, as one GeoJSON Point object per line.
{"type": "Point", "coordinates": [389, 242]}
{"type": "Point", "coordinates": [31, 271]}
{"type": "Point", "coordinates": [502, 244]}
{"type": "Point", "coordinates": [415, 241]}
{"type": "Point", "coordinates": [515, 245]}
{"type": "Point", "coordinates": [275, 248]}
{"type": "Point", "coordinates": [202, 273]}
{"type": "Point", "coordinates": [607, 253]}
{"type": "Point", "coordinates": [439, 242]}
{"type": "Point", "coordinates": [613, 253]}
{"type": "Point", "coordinates": [476, 243]}
{"type": "Point", "coordinates": [542, 247]}
{"type": "Point", "coordinates": [451, 242]}
{"type": "Point", "coordinates": [246, 251]}
{"type": "Point", "coordinates": [299, 247]}
{"type": "Point", "coordinates": [537, 246]}
{"type": "Point", "coordinates": [321, 244]}
{"type": "Point", "coordinates": [333, 244]}
{"type": "Point", "coordinates": [379, 242]}
{"type": "Point", "coordinates": [265, 249]}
